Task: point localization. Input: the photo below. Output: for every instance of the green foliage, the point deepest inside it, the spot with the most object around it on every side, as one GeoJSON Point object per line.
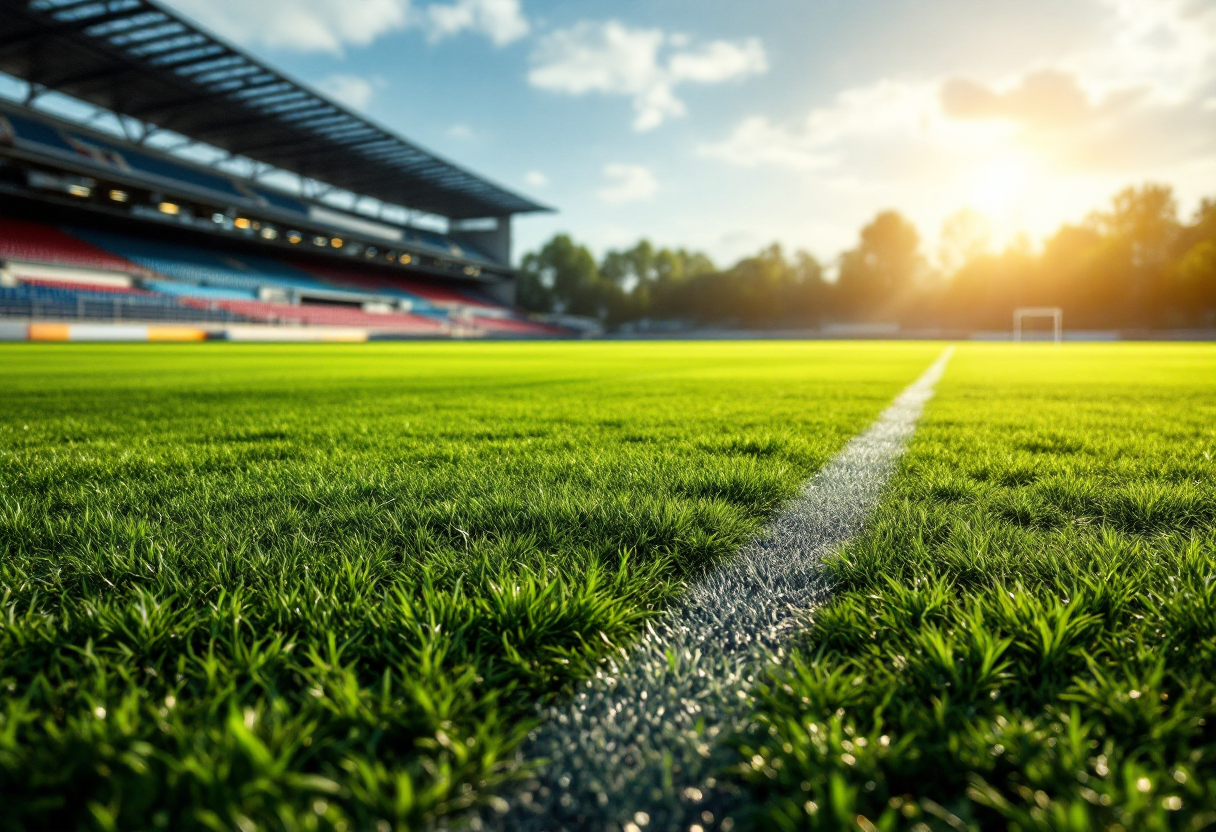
{"type": "Point", "coordinates": [1134, 265]}
{"type": "Point", "coordinates": [878, 274]}
{"type": "Point", "coordinates": [645, 283]}
{"type": "Point", "coordinates": [1024, 638]}
{"type": "Point", "coordinates": [323, 588]}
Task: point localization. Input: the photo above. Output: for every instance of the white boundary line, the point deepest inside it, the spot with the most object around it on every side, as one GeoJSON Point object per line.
{"type": "Point", "coordinates": [638, 745]}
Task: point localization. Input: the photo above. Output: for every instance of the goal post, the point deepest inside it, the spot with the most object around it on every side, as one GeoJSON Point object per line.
{"type": "Point", "coordinates": [1054, 312]}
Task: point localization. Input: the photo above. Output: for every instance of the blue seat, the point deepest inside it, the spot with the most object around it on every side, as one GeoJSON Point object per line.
{"type": "Point", "coordinates": [166, 287]}
{"type": "Point", "coordinates": [202, 266]}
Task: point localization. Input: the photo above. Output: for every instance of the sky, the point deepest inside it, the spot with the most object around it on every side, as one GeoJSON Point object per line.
{"type": "Point", "coordinates": [725, 126]}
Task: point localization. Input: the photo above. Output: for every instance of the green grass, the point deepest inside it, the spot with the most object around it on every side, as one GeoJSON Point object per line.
{"type": "Point", "coordinates": [1025, 638]}
{"type": "Point", "coordinates": [323, 587]}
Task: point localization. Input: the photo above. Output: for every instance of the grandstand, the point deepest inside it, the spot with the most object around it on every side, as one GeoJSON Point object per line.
{"type": "Point", "coordinates": [150, 171]}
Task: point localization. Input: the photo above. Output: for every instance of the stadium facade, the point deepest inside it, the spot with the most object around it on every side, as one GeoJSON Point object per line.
{"type": "Point", "coordinates": [153, 173]}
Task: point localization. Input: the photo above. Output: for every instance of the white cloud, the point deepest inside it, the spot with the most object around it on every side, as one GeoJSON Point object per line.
{"type": "Point", "coordinates": [502, 21]}
{"type": "Point", "coordinates": [1168, 46]}
{"type": "Point", "coordinates": [888, 110]}
{"type": "Point", "coordinates": [720, 61]}
{"type": "Point", "coordinates": [1030, 149]}
{"type": "Point", "coordinates": [303, 25]}
{"type": "Point", "coordinates": [644, 64]}
{"type": "Point", "coordinates": [536, 179]}
{"type": "Point", "coordinates": [1133, 99]}
{"type": "Point", "coordinates": [353, 91]}
{"type": "Point", "coordinates": [627, 183]}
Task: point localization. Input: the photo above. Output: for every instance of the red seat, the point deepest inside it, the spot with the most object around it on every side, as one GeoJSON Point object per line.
{"type": "Point", "coordinates": [321, 315]}
{"type": "Point", "coordinates": [33, 242]}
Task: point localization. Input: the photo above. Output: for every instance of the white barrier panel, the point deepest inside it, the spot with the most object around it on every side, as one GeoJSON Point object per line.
{"type": "Point", "coordinates": [294, 334]}
{"type": "Point", "coordinates": [68, 274]}
{"type": "Point", "coordinates": [10, 331]}
{"type": "Point", "coordinates": [107, 332]}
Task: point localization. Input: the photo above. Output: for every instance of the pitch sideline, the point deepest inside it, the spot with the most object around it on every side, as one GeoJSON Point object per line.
{"type": "Point", "coordinates": [637, 747]}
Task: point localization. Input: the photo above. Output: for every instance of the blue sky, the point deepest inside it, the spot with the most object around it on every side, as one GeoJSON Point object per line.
{"type": "Point", "coordinates": [725, 126]}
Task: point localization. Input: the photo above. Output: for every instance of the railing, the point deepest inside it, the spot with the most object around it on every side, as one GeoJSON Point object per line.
{"type": "Point", "coordinates": [114, 310]}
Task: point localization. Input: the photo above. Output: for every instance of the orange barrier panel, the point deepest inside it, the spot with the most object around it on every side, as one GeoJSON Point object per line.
{"type": "Point", "coordinates": [176, 333]}
{"type": "Point", "coordinates": [49, 332]}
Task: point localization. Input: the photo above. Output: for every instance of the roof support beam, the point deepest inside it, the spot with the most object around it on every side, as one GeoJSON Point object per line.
{"type": "Point", "coordinates": [138, 57]}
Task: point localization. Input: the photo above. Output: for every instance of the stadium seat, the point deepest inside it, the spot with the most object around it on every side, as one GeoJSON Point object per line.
{"type": "Point", "coordinates": [34, 242]}
{"type": "Point", "coordinates": [201, 266]}
{"type": "Point", "coordinates": [325, 315]}
{"type": "Point", "coordinates": [56, 302]}
{"type": "Point", "coordinates": [513, 326]}
{"type": "Point", "coordinates": [167, 287]}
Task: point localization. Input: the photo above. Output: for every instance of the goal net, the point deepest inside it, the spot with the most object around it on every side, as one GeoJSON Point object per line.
{"type": "Point", "coordinates": [1038, 317]}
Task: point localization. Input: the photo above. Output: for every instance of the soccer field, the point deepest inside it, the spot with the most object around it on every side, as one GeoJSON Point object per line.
{"type": "Point", "coordinates": [326, 587]}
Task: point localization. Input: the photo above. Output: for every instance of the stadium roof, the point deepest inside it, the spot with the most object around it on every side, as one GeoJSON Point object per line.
{"type": "Point", "coordinates": [138, 59]}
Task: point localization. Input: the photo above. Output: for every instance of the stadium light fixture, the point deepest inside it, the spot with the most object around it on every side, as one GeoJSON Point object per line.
{"type": "Point", "coordinates": [170, 208]}
{"type": "Point", "coordinates": [391, 256]}
{"type": "Point", "coordinates": [371, 251]}
{"type": "Point", "coordinates": [406, 259]}
{"type": "Point", "coordinates": [241, 222]}
{"type": "Point", "coordinates": [80, 190]}
{"type": "Point", "coordinates": [269, 233]}
{"type": "Point", "coordinates": [294, 237]}
{"type": "Point", "coordinates": [120, 196]}
{"type": "Point", "coordinates": [336, 242]}
{"type": "Point", "coordinates": [320, 241]}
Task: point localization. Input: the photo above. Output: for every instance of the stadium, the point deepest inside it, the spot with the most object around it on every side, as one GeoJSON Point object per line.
{"type": "Point", "coordinates": [107, 228]}
{"type": "Point", "coordinates": [326, 508]}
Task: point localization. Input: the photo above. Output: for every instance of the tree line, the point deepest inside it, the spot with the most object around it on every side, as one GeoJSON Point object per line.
{"type": "Point", "coordinates": [1135, 264]}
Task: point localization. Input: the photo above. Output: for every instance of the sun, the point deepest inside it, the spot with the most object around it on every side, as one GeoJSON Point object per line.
{"type": "Point", "coordinates": [994, 187]}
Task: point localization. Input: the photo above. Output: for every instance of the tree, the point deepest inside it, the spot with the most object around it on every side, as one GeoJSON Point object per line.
{"type": "Point", "coordinates": [1140, 233]}
{"type": "Point", "coordinates": [965, 236]}
{"type": "Point", "coordinates": [562, 277]}
{"type": "Point", "coordinates": [1195, 281]}
{"type": "Point", "coordinates": [1145, 219]}
{"type": "Point", "coordinates": [877, 275]}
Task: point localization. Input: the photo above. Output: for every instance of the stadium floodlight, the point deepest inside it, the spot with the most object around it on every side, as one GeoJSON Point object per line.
{"type": "Point", "coordinates": [1054, 312]}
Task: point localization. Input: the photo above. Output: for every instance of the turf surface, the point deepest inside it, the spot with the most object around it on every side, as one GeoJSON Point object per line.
{"type": "Point", "coordinates": [1025, 638]}
{"type": "Point", "coordinates": [323, 587]}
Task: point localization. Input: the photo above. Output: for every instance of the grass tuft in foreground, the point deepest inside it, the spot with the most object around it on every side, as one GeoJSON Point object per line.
{"type": "Point", "coordinates": [1025, 638]}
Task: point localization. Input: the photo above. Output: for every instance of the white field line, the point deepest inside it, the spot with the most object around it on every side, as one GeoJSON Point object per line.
{"type": "Point", "coordinates": [637, 748]}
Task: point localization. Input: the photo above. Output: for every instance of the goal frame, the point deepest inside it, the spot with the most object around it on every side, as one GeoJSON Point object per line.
{"type": "Point", "coordinates": [1054, 312]}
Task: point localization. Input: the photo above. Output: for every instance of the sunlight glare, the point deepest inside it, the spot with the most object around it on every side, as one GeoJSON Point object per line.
{"type": "Point", "coordinates": [995, 186]}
